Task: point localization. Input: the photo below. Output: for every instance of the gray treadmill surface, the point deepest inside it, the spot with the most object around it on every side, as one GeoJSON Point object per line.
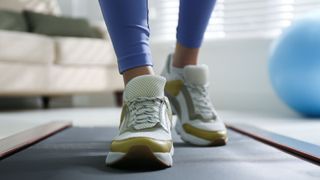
{"type": "Point", "coordinates": [79, 153]}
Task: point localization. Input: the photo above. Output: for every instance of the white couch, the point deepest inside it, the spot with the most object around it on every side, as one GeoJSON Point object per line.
{"type": "Point", "coordinates": [34, 64]}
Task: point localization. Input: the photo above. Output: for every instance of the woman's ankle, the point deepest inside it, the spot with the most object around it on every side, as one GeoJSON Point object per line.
{"type": "Point", "coordinates": [184, 56]}
{"type": "Point", "coordinates": [135, 72]}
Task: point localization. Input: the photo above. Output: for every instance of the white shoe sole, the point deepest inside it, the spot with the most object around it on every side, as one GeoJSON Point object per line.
{"type": "Point", "coordinates": [139, 155]}
{"type": "Point", "coordinates": [190, 138]}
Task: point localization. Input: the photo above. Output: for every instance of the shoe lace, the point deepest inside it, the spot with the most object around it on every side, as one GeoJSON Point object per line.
{"type": "Point", "coordinates": [144, 112]}
{"type": "Point", "coordinates": [201, 100]}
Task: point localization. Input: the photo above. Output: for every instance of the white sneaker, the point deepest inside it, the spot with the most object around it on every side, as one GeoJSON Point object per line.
{"type": "Point", "coordinates": [145, 126]}
{"type": "Point", "coordinates": [187, 90]}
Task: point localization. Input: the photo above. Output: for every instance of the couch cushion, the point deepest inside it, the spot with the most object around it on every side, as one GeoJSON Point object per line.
{"type": "Point", "coordinates": [14, 21]}
{"type": "Point", "coordinates": [25, 47]}
{"type": "Point", "coordinates": [84, 51]}
{"type": "Point", "coordinates": [58, 26]}
{"type": "Point", "coordinates": [73, 79]}
{"type": "Point", "coordinates": [23, 79]}
{"type": "Point", "coordinates": [115, 77]}
{"type": "Point", "coordinates": [38, 79]}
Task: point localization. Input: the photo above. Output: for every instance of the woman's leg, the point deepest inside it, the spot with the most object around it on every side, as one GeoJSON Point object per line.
{"type": "Point", "coordinates": [145, 125]}
{"type": "Point", "coordinates": [187, 82]}
{"type": "Point", "coordinates": [194, 16]}
{"type": "Point", "coordinates": [127, 22]}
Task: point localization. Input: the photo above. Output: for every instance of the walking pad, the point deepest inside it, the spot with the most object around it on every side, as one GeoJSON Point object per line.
{"type": "Point", "coordinates": [79, 153]}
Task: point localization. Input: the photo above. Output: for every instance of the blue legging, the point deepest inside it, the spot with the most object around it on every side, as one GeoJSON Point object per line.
{"type": "Point", "coordinates": [127, 22]}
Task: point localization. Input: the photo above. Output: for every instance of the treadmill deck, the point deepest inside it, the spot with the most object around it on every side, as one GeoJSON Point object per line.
{"type": "Point", "coordinates": [79, 153]}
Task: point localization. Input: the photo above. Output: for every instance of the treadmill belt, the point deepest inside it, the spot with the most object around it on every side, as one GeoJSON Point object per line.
{"type": "Point", "coordinates": [79, 153]}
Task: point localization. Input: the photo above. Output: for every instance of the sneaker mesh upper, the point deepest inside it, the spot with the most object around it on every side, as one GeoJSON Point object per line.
{"type": "Point", "coordinates": [145, 86]}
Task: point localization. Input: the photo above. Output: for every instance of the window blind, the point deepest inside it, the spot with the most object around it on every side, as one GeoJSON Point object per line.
{"type": "Point", "coordinates": [233, 18]}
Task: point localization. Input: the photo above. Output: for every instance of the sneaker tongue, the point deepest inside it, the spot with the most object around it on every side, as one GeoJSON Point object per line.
{"type": "Point", "coordinates": [196, 74]}
{"type": "Point", "coordinates": [145, 86]}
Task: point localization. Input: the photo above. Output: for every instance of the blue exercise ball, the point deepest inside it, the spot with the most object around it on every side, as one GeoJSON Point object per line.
{"type": "Point", "coordinates": [294, 65]}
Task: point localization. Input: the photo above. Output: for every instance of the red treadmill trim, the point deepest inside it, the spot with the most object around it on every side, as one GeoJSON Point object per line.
{"type": "Point", "coordinates": [19, 141]}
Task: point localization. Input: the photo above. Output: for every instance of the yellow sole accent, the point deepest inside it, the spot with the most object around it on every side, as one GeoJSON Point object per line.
{"type": "Point", "coordinates": [173, 87]}
{"type": "Point", "coordinates": [153, 144]}
{"type": "Point", "coordinates": [204, 134]}
{"type": "Point", "coordinates": [144, 156]}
